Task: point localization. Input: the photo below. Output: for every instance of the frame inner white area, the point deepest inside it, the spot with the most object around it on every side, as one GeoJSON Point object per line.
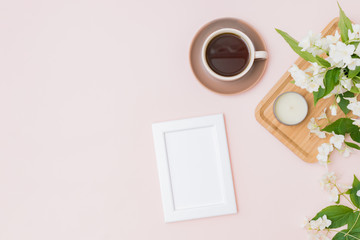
{"type": "Point", "coordinates": [194, 167]}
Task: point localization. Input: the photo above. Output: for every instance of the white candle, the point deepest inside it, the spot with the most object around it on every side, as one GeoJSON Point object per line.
{"type": "Point", "coordinates": [290, 108]}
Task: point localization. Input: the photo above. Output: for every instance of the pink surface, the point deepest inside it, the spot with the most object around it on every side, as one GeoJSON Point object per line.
{"type": "Point", "coordinates": [81, 84]}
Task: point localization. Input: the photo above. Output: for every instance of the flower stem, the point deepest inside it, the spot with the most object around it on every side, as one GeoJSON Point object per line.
{"type": "Point", "coordinates": [343, 194]}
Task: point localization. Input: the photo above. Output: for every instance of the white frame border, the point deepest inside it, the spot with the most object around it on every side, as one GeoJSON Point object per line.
{"type": "Point", "coordinates": [228, 206]}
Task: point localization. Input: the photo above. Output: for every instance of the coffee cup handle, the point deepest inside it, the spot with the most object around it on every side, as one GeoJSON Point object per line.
{"type": "Point", "coordinates": [261, 55]}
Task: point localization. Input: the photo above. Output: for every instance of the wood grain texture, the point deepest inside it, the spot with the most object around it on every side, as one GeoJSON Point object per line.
{"type": "Point", "coordinates": [297, 138]}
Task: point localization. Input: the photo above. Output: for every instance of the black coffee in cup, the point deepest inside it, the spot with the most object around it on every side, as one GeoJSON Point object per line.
{"type": "Point", "coordinates": [227, 54]}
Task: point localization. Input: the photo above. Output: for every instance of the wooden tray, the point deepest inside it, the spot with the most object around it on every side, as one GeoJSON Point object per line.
{"type": "Point", "coordinates": [297, 138]}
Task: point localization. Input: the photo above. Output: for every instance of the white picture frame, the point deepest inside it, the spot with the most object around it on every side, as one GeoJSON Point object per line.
{"type": "Point", "coordinates": [194, 168]}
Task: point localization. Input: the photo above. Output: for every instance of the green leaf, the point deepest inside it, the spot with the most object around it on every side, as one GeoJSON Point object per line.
{"type": "Point", "coordinates": [340, 235]}
{"type": "Point", "coordinates": [355, 134]}
{"type": "Point", "coordinates": [341, 126]}
{"type": "Point", "coordinates": [343, 102]}
{"type": "Point", "coordinates": [354, 89]}
{"type": "Point", "coordinates": [348, 94]}
{"type": "Point", "coordinates": [294, 44]}
{"type": "Point", "coordinates": [331, 79]}
{"type": "Point", "coordinates": [338, 214]}
{"type": "Point", "coordinates": [346, 235]}
{"type": "Point", "coordinates": [353, 196]}
{"type": "Point", "coordinates": [356, 79]}
{"type": "Point", "coordinates": [353, 73]}
{"type": "Point", "coordinates": [318, 95]}
{"type": "Point", "coordinates": [344, 25]}
{"type": "Point", "coordinates": [353, 235]}
{"type": "Point", "coordinates": [354, 221]}
{"type": "Point", "coordinates": [352, 145]}
{"type": "Point", "coordinates": [323, 62]}
{"type": "Point", "coordinates": [353, 226]}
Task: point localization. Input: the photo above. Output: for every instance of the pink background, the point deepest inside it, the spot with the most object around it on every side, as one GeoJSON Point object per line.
{"type": "Point", "coordinates": [81, 83]}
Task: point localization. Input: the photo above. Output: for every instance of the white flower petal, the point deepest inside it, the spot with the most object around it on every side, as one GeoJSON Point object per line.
{"type": "Point", "coordinates": [312, 43]}
{"type": "Point", "coordinates": [346, 152]}
{"type": "Point", "coordinates": [333, 109]}
{"type": "Point", "coordinates": [328, 180]}
{"type": "Point", "coordinates": [341, 52]}
{"type": "Point", "coordinates": [356, 122]}
{"type": "Point", "coordinates": [334, 195]}
{"type": "Point", "coordinates": [357, 51]}
{"type": "Point", "coordinates": [347, 82]}
{"type": "Point", "coordinates": [354, 106]}
{"type": "Point", "coordinates": [325, 148]}
{"type": "Point", "coordinates": [337, 140]}
{"type": "Point", "coordinates": [322, 115]}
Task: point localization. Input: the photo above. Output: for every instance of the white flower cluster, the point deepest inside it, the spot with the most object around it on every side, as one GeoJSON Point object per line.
{"type": "Point", "coordinates": [309, 82]}
{"type": "Point", "coordinates": [339, 55]}
{"type": "Point", "coordinates": [313, 78]}
{"type": "Point", "coordinates": [315, 128]}
{"type": "Point", "coordinates": [317, 228]}
{"type": "Point", "coordinates": [314, 44]}
{"type": "Point", "coordinates": [328, 183]}
{"type": "Point", "coordinates": [325, 149]}
{"type": "Point", "coordinates": [336, 141]}
{"type": "Point", "coordinates": [355, 35]}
